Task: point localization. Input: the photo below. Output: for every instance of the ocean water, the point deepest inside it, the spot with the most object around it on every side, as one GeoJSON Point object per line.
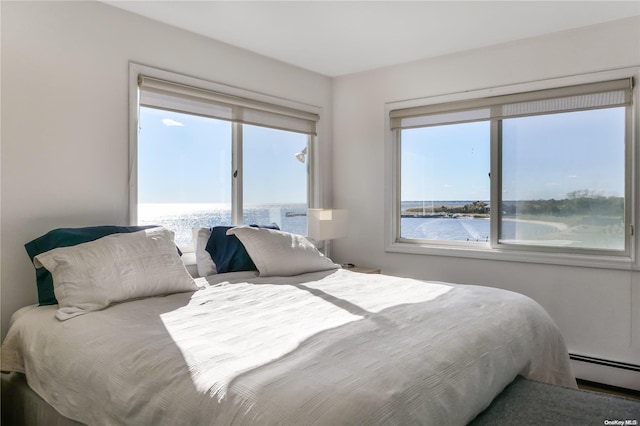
{"type": "Point", "coordinates": [457, 229]}
{"type": "Point", "coordinates": [181, 218]}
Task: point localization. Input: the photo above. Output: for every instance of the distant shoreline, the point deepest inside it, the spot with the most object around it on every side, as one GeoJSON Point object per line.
{"type": "Point", "coordinates": [444, 215]}
{"type": "Point", "coordinates": [557, 225]}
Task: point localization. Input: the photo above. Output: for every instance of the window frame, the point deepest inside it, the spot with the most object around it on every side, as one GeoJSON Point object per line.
{"type": "Point", "coordinates": [494, 250]}
{"type": "Point", "coordinates": [313, 180]}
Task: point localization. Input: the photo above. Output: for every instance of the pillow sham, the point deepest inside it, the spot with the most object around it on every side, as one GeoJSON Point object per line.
{"type": "Point", "coordinates": [91, 276]}
{"type": "Point", "coordinates": [281, 253]}
{"type": "Point", "coordinates": [204, 262]}
{"type": "Point", "coordinates": [66, 237]}
{"type": "Point", "coordinates": [227, 252]}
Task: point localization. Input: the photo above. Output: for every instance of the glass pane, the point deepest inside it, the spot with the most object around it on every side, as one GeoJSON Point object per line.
{"type": "Point", "coordinates": [184, 172]}
{"type": "Point", "coordinates": [563, 180]}
{"type": "Point", "coordinates": [274, 178]}
{"type": "Point", "coordinates": [445, 182]}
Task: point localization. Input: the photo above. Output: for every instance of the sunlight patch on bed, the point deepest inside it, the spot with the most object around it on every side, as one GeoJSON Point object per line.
{"type": "Point", "coordinates": [373, 292]}
{"type": "Point", "coordinates": [228, 330]}
{"type": "Point", "coordinates": [225, 331]}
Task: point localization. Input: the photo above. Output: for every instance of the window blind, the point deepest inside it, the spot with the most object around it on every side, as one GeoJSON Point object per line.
{"type": "Point", "coordinates": [574, 98]}
{"type": "Point", "coordinates": [157, 93]}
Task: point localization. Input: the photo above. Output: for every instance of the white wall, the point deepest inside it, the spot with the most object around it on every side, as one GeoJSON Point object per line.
{"type": "Point", "coordinates": [596, 309]}
{"type": "Point", "coordinates": [65, 116]}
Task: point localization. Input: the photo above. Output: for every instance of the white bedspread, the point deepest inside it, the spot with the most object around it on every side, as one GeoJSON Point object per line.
{"type": "Point", "coordinates": [328, 348]}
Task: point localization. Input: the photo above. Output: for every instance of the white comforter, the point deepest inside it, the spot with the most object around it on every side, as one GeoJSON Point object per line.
{"type": "Point", "coordinates": [328, 348]}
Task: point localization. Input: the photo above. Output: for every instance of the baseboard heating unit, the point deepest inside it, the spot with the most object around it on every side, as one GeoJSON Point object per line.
{"type": "Point", "coordinates": [599, 370]}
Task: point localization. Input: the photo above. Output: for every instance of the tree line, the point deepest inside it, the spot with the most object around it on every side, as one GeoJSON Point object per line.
{"type": "Point", "coordinates": [581, 202]}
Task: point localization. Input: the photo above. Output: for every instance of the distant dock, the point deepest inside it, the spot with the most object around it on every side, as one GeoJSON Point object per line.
{"type": "Point", "coordinates": [425, 215]}
{"type": "Point", "coordinates": [294, 214]}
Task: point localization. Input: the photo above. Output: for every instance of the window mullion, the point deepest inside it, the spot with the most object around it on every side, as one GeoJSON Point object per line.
{"type": "Point", "coordinates": [397, 198]}
{"type": "Point", "coordinates": [630, 181]}
{"type": "Point", "coordinates": [236, 180]}
{"type": "Point", "coordinates": [496, 181]}
{"type": "Point", "coordinates": [311, 190]}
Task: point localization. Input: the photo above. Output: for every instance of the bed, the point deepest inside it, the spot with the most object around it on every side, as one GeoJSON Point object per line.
{"type": "Point", "coordinates": [277, 345]}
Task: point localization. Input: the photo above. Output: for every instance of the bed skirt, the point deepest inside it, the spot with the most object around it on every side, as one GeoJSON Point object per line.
{"type": "Point", "coordinates": [22, 406]}
{"type": "Point", "coordinates": [523, 402]}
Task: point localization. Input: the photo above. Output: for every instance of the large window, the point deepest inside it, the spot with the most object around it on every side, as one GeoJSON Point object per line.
{"type": "Point", "coordinates": [184, 171]}
{"type": "Point", "coordinates": [563, 180]}
{"type": "Point", "coordinates": [445, 175]}
{"type": "Point", "coordinates": [547, 171]}
{"type": "Point", "coordinates": [206, 158]}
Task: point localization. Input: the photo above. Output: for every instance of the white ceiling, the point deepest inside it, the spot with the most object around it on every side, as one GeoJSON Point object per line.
{"type": "Point", "coordinates": [342, 37]}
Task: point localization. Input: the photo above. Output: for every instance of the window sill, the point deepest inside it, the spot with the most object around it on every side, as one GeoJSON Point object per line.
{"type": "Point", "coordinates": [485, 253]}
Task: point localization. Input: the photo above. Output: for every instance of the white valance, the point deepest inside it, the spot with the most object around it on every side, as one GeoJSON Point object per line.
{"type": "Point", "coordinates": [573, 98]}
{"type": "Point", "coordinates": [157, 93]}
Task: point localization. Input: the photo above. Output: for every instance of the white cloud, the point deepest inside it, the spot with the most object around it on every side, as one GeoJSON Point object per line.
{"type": "Point", "coordinates": [171, 122]}
{"type": "Point", "coordinates": [572, 176]}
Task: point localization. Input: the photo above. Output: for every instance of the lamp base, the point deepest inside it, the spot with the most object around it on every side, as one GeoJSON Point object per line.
{"type": "Point", "coordinates": [326, 248]}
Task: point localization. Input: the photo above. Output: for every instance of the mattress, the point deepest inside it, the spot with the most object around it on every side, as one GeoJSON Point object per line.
{"type": "Point", "coordinates": [324, 348]}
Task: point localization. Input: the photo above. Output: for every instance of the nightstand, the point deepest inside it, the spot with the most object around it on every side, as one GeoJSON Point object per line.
{"type": "Point", "coordinates": [362, 269]}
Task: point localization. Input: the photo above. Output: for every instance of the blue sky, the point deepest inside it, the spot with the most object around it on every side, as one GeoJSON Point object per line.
{"type": "Point", "coordinates": [544, 157]}
{"type": "Point", "coordinates": [549, 156]}
{"type": "Point", "coordinates": [187, 159]}
{"type": "Point", "coordinates": [446, 163]}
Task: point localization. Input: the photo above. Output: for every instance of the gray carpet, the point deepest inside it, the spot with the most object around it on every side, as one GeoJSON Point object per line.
{"type": "Point", "coordinates": [525, 402]}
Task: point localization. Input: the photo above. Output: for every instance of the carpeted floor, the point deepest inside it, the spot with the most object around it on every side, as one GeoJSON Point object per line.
{"type": "Point", "coordinates": [525, 402]}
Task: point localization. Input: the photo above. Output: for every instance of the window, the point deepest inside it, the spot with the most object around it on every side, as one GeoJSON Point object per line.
{"type": "Point", "coordinates": [205, 158]}
{"type": "Point", "coordinates": [275, 182]}
{"type": "Point", "coordinates": [541, 171]}
{"type": "Point", "coordinates": [563, 180]}
{"type": "Point", "coordinates": [445, 174]}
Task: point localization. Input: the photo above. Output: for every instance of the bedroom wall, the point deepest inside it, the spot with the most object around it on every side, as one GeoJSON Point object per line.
{"type": "Point", "coordinates": [598, 310]}
{"type": "Point", "coordinates": [65, 123]}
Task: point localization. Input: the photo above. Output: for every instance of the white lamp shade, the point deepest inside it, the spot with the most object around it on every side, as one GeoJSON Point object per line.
{"type": "Point", "coordinates": [327, 224]}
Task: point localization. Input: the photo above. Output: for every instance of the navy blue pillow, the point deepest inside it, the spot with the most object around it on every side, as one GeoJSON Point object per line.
{"type": "Point", "coordinates": [227, 251]}
{"type": "Point", "coordinates": [66, 237]}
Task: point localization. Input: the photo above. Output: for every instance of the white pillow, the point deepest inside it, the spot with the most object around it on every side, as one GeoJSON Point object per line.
{"type": "Point", "coordinates": [91, 276]}
{"type": "Point", "coordinates": [204, 262]}
{"type": "Point", "coordinates": [278, 253]}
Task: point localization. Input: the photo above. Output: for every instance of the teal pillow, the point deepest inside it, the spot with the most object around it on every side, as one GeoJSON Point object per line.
{"type": "Point", "coordinates": [227, 251]}
{"type": "Point", "coordinates": [66, 237]}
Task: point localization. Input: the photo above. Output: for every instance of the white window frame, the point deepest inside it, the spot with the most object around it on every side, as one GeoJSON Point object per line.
{"type": "Point", "coordinates": [394, 243]}
{"type": "Point", "coordinates": [314, 188]}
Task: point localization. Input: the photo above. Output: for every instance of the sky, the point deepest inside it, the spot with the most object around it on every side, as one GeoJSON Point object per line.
{"type": "Point", "coordinates": [184, 158]}
{"type": "Point", "coordinates": [544, 157]}
{"type": "Point", "coordinates": [187, 159]}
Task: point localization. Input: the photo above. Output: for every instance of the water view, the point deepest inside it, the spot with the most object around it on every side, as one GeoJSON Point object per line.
{"type": "Point", "coordinates": [582, 219]}
{"type": "Point", "coordinates": [587, 222]}
{"type": "Point", "coordinates": [182, 217]}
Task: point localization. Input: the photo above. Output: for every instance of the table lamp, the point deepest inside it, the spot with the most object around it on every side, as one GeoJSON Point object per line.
{"type": "Point", "coordinates": [325, 225]}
